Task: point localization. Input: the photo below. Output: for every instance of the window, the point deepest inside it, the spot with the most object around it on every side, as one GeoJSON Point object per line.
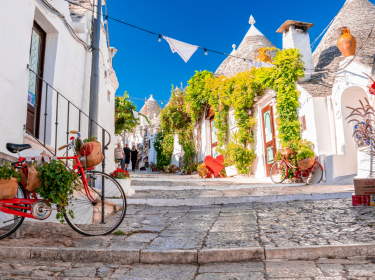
{"type": "Point", "coordinates": [108, 96]}
{"type": "Point", "coordinates": [303, 123]}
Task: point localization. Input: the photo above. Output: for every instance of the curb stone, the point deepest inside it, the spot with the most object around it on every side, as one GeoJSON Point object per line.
{"type": "Point", "coordinates": [321, 251]}
{"type": "Point", "coordinates": [127, 257]}
{"type": "Point", "coordinates": [199, 201]}
{"type": "Point", "coordinates": [230, 255]}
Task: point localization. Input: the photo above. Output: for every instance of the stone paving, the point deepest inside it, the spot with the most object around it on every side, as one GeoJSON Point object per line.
{"type": "Point", "coordinates": [267, 225]}
{"type": "Point", "coordinates": [322, 269]}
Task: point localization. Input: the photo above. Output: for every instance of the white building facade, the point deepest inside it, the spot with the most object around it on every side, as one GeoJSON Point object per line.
{"type": "Point", "coordinates": [332, 82]}
{"type": "Point", "coordinates": [38, 106]}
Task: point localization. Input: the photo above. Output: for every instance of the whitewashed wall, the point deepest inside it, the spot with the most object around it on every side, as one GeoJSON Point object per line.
{"type": "Point", "coordinates": [349, 87]}
{"type": "Point", "coordinates": [67, 68]}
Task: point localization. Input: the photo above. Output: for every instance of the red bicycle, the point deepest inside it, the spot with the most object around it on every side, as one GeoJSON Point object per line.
{"type": "Point", "coordinates": [279, 171]}
{"type": "Point", "coordinates": [99, 206]}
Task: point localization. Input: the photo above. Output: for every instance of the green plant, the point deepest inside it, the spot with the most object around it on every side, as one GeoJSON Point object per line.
{"type": "Point", "coordinates": [174, 120]}
{"type": "Point", "coordinates": [57, 185]}
{"type": "Point", "coordinates": [304, 148]}
{"type": "Point", "coordinates": [8, 172]}
{"type": "Point", "coordinates": [163, 157]}
{"type": "Point", "coordinates": [124, 117]}
{"type": "Point", "coordinates": [236, 154]}
{"type": "Point", "coordinates": [119, 232]}
{"type": "Point", "coordinates": [90, 139]}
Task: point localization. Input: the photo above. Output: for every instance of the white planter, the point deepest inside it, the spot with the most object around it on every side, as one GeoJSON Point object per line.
{"type": "Point", "coordinates": [364, 162]}
{"type": "Point", "coordinates": [125, 184]}
{"type": "Point", "coordinates": [231, 171]}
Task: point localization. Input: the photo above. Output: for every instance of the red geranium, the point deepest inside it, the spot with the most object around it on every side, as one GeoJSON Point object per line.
{"type": "Point", "coordinates": [120, 174]}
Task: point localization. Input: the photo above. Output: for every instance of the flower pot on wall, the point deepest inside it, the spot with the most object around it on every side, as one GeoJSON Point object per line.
{"type": "Point", "coordinates": [347, 43]}
{"type": "Point", "coordinates": [262, 56]}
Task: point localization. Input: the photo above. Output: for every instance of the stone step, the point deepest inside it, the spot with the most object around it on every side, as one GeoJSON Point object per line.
{"type": "Point", "coordinates": [196, 197]}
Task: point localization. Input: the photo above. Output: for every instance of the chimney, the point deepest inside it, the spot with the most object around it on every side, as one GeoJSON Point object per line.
{"type": "Point", "coordinates": [296, 35]}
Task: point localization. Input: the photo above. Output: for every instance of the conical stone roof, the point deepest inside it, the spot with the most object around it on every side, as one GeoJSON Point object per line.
{"type": "Point", "coordinates": [151, 108]}
{"type": "Point", "coordinates": [359, 17]}
{"type": "Point", "coordinates": [253, 41]}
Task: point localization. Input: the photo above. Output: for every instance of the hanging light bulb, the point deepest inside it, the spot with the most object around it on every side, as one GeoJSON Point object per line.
{"type": "Point", "coordinates": [159, 38]}
{"type": "Point", "coordinates": [162, 102]}
{"type": "Point", "coordinates": [205, 52]}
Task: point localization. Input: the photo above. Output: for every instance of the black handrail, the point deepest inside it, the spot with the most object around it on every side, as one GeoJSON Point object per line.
{"type": "Point", "coordinates": [90, 123]}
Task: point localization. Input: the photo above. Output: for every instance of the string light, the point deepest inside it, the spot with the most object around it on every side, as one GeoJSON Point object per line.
{"type": "Point", "coordinates": [159, 38]}
{"type": "Point", "coordinates": [205, 52]}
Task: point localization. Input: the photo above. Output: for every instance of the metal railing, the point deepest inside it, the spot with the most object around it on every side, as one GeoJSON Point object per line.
{"type": "Point", "coordinates": [51, 112]}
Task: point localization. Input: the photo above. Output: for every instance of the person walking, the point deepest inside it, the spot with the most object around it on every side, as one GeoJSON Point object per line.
{"type": "Point", "coordinates": [134, 157]}
{"type": "Point", "coordinates": [119, 153]}
{"type": "Point", "coordinates": [127, 157]}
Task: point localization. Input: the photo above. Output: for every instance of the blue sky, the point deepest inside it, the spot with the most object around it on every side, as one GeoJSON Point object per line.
{"type": "Point", "coordinates": [144, 66]}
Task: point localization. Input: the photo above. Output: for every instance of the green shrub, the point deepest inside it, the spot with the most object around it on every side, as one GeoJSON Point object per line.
{"type": "Point", "coordinates": [8, 172]}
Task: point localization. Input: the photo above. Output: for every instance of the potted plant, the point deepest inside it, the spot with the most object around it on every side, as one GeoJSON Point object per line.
{"type": "Point", "coordinates": [57, 191]}
{"type": "Point", "coordinates": [153, 167]}
{"type": "Point", "coordinates": [9, 179]}
{"type": "Point", "coordinates": [124, 180]}
{"type": "Point", "coordinates": [303, 152]}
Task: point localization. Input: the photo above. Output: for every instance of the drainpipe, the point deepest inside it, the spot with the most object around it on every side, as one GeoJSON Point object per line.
{"type": "Point", "coordinates": [94, 84]}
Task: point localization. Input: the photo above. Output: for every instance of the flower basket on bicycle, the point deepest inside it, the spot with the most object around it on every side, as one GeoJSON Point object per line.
{"type": "Point", "coordinates": [288, 151]}
{"type": "Point", "coordinates": [8, 188]}
{"type": "Point", "coordinates": [9, 179]}
{"type": "Point", "coordinates": [306, 163]}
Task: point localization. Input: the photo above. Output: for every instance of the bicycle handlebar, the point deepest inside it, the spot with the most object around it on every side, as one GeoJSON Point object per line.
{"type": "Point", "coordinates": [63, 147]}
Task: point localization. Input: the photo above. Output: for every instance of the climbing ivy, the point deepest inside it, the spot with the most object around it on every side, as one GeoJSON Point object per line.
{"type": "Point", "coordinates": [174, 120]}
{"type": "Point", "coordinates": [186, 110]}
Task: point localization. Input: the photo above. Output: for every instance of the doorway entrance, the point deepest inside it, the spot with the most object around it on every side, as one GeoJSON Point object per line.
{"type": "Point", "coordinates": [268, 137]}
{"type": "Point", "coordinates": [37, 48]}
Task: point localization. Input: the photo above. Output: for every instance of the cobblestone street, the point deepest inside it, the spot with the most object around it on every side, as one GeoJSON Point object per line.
{"type": "Point", "coordinates": [271, 225]}
{"type": "Point", "coordinates": [322, 269]}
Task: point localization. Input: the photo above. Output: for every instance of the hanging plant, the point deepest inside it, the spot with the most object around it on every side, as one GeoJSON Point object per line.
{"type": "Point", "coordinates": [57, 185]}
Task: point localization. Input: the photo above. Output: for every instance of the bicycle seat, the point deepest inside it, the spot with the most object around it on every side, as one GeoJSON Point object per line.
{"type": "Point", "coordinates": [14, 148]}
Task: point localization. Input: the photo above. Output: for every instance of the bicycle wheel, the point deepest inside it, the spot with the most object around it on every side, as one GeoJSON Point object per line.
{"type": "Point", "coordinates": [314, 176]}
{"type": "Point", "coordinates": [278, 172]}
{"type": "Point", "coordinates": [89, 217]}
{"type": "Point", "coordinates": [10, 223]}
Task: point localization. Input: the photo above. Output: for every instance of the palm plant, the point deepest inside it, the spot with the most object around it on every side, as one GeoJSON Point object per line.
{"type": "Point", "coordinates": [363, 133]}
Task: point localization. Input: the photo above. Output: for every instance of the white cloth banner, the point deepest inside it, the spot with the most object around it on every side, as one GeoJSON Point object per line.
{"type": "Point", "coordinates": [258, 64]}
{"type": "Point", "coordinates": [183, 49]}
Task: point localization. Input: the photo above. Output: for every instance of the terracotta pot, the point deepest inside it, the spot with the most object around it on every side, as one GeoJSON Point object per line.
{"type": "Point", "coordinates": [8, 188]}
{"type": "Point", "coordinates": [263, 57]}
{"type": "Point", "coordinates": [347, 43]}
{"type": "Point", "coordinates": [93, 153]}
{"type": "Point", "coordinates": [306, 163]}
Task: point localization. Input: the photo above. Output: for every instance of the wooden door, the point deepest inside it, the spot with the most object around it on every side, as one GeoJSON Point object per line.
{"type": "Point", "coordinates": [37, 46]}
{"type": "Point", "coordinates": [268, 136]}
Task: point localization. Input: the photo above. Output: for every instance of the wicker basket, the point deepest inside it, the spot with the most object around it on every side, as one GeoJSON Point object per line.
{"type": "Point", "coordinates": [306, 163]}
{"type": "Point", "coordinates": [287, 152]}
{"type": "Point", "coordinates": [8, 188]}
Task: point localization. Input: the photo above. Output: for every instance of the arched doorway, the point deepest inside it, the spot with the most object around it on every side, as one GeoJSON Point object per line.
{"type": "Point", "coordinates": [345, 142]}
